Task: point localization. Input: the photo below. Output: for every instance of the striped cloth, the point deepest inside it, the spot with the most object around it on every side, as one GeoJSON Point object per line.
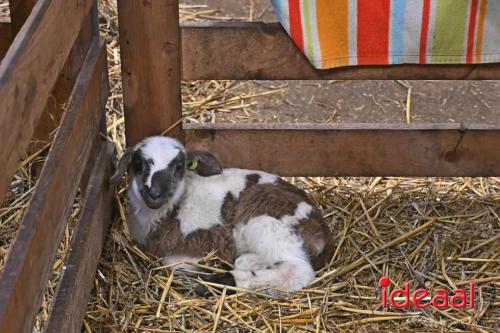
{"type": "Point", "coordinates": [334, 33]}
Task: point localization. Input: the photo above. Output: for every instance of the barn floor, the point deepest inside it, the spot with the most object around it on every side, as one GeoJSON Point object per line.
{"type": "Point", "coordinates": [432, 232]}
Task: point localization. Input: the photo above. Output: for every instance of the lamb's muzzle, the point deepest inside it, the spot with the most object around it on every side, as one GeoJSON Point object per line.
{"type": "Point", "coordinates": [183, 204]}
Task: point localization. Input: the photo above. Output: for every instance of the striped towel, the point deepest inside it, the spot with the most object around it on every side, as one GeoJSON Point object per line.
{"type": "Point", "coordinates": [334, 33]}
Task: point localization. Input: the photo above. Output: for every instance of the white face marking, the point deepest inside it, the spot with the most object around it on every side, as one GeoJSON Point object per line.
{"type": "Point", "coordinates": [161, 150]}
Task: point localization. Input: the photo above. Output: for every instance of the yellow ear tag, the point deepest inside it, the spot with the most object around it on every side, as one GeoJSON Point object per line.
{"type": "Point", "coordinates": [194, 165]}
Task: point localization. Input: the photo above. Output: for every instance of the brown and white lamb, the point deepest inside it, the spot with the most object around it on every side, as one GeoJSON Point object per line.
{"type": "Point", "coordinates": [183, 204]}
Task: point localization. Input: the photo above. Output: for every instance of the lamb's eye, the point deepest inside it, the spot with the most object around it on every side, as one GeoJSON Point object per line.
{"type": "Point", "coordinates": [137, 165]}
{"type": "Point", "coordinates": [178, 167]}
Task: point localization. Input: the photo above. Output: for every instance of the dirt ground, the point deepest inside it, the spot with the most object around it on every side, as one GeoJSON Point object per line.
{"type": "Point", "coordinates": [354, 101]}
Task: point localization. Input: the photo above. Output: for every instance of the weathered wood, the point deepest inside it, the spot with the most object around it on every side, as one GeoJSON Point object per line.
{"type": "Point", "coordinates": [76, 283]}
{"type": "Point", "coordinates": [29, 71]}
{"type": "Point", "coordinates": [259, 51]}
{"type": "Point", "coordinates": [20, 10]}
{"type": "Point", "coordinates": [54, 109]}
{"type": "Point", "coordinates": [5, 35]}
{"type": "Point", "coordinates": [353, 149]}
{"type": "Point", "coordinates": [151, 52]}
{"type": "Point", "coordinates": [29, 263]}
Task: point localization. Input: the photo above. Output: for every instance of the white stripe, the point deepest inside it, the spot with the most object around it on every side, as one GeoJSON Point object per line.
{"type": "Point", "coordinates": [353, 33]}
{"type": "Point", "coordinates": [315, 35]}
{"type": "Point", "coordinates": [413, 24]}
{"type": "Point", "coordinates": [491, 36]}
{"type": "Point", "coordinates": [281, 7]}
{"type": "Point", "coordinates": [304, 29]}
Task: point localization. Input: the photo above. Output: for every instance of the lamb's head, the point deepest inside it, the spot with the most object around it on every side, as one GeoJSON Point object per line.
{"type": "Point", "coordinates": [157, 167]}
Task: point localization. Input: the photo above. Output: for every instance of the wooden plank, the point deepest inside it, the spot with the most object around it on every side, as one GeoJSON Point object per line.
{"type": "Point", "coordinates": [259, 51]}
{"type": "Point", "coordinates": [5, 35]}
{"type": "Point", "coordinates": [29, 71]}
{"type": "Point", "coordinates": [151, 71]}
{"type": "Point", "coordinates": [54, 109]}
{"type": "Point", "coordinates": [76, 283]}
{"type": "Point", "coordinates": [353, 149]}
{"type": "Point", "coordinates": [20, 11]}
{"type": "Point", "coordinates": [29, 263]}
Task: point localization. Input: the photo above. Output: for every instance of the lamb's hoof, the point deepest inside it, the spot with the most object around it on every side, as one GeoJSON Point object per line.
{"type": "Point", "coordinates": [226, 279]}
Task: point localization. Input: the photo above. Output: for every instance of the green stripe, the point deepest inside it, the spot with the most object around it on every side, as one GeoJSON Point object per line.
{"type": "Point", "coordinates": [308, 29]}
{"type": "Point", "coordinates": [450, 28]}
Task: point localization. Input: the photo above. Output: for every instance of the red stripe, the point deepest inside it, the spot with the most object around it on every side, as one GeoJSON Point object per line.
{"type": "Point", "coordinates": [296, 23]}
{"type": "Point", "coordinates": [373, 31]}
{"type": "Point", "coordinates": [472, 30]}
{"type": "Point", "coordinates": [425, 30]}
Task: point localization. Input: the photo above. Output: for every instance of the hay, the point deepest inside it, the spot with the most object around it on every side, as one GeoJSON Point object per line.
{"type": "Point", "coordinates": [4, 8]}
{"type": "Point", "coordinates": [431, 232]}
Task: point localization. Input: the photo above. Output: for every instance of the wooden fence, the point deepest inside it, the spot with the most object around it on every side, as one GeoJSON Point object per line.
{"type": "Point", "coordinates": [258, 51]}
{"type": "Point", "coordinates": [54, 74]}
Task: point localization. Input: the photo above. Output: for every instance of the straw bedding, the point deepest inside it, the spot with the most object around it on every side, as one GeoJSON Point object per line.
{"type": "Point", "coordinates": [428, 231]}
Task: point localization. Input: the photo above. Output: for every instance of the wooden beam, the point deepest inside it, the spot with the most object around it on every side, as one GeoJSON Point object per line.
{"type": "Point", "coordinates": [151, 52]}
{"type": "Point", "coordinates": [51, 116]}
{"type": "Point", "coordinates": [76, 283]}
{"type": "Point", "coordinates": [353, 149]}
{"type": "Point", "coordinates": [259, 51]}
{"type": "Point", "coordinates": [29, 71]}
{"type": "Point", "coordinates": [20, 11]}
{"type": "Point", "coordinates": [28, 266]}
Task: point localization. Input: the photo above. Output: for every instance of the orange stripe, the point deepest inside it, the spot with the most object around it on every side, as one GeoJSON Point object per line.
{"type": "Point", "coordinates": [333, 18]}
{"type": "Point", "coordinates": [480, 30]}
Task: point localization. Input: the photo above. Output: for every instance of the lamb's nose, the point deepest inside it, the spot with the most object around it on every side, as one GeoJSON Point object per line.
{"type": "Point", "coordinates": [154, 193]}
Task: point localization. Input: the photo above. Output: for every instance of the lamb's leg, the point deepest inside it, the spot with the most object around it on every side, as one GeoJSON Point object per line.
{"type": "Point", "coordinates": [287, 275]}
{"type": "Point", "coordinates": [249, 262]}
{"type": "Point", "coordinates": [175, 248]}
{"type": "Point", "coordinates": [271, 241]}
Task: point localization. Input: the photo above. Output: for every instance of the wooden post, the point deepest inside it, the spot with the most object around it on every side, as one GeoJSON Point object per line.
{"type": "Point", "coordinates": [151, 67]}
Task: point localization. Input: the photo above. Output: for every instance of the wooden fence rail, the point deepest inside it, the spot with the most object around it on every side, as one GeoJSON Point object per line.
{"type": "Point", "coordinates": [353, 149]}
{"type": "Point", "coordinates": [29, 263]}
{"type": "Point", "coordinates": [260, 51]}
{"type": "Point", "coordinates": [29, 71]}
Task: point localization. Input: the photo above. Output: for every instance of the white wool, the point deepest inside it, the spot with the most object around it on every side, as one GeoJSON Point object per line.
{"type": "Point", "coordinates": [273, 243]}
{"type": "Point", "coordinates": [202, 203]}
{"type": "Point", "coordinates": [271, 254]}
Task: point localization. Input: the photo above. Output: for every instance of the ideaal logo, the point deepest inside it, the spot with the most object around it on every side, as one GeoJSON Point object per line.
{"type": "Point", "coordinates": [423, 298]}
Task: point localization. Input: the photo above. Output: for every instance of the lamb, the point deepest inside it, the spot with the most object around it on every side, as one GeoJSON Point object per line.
{"type": "Point", "coordinates": [183, 204]}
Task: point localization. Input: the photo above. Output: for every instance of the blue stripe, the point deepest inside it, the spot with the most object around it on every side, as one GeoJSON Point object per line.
{"type": "Point", "coordinates": [278, 9]}
{"type": "Point", "coordinates": [397, 29]}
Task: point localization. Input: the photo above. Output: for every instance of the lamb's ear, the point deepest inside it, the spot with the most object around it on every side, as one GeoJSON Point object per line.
{"type": "Point", "coordinates": [203, 163]}
{"type": "Point", "coordinates": [122, 166]}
